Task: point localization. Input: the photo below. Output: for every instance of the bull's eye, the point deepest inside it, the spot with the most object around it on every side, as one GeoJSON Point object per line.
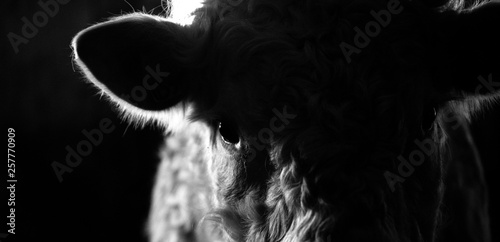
{"type": "Point", "coordinates": [229, 132]}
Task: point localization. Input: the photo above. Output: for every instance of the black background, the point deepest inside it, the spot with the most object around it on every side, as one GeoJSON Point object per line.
{"type": "Point", "coordinates": [106, 197]}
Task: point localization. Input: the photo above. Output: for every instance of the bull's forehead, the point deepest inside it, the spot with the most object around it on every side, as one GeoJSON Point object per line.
{"type": "Point", "coordinates": [250, 92]}
{"type": "Point", "coordinates": [257, 73]}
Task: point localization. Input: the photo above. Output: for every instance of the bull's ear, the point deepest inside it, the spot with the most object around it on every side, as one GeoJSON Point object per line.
{"type": "Point", "coordinates": [471, 45]}
{"type": "Point", "coordinates": [140, 60]}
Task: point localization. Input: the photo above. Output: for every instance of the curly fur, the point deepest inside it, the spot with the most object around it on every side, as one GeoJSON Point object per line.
{"type": "Point", "coordinates": [326, 180]}
{"type": "Point", "coordinates": [321, 176]}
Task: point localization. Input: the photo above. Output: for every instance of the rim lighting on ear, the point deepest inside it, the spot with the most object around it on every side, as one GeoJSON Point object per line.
{"type": "Point", "coordinates": [182, 10]}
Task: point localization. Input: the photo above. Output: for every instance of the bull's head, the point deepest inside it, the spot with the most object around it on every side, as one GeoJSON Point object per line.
{"type": "Point", "coordinates": [313, 105]}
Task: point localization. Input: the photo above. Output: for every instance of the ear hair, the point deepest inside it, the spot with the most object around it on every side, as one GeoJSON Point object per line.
{"type": "Point", "coordinates": [146, 53]}
{"type": "Point", "coordinates": [172, 119]}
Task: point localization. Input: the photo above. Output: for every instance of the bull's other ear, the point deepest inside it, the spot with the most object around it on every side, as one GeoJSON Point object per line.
{"type": "Point", "coordinates": [140, 60]}
{"type": "Point", "coordinates": [471, 46]}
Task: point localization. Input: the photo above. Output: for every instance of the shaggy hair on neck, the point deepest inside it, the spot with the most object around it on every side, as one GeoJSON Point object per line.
{"type": "Point", "coordinates": [309, 140]}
